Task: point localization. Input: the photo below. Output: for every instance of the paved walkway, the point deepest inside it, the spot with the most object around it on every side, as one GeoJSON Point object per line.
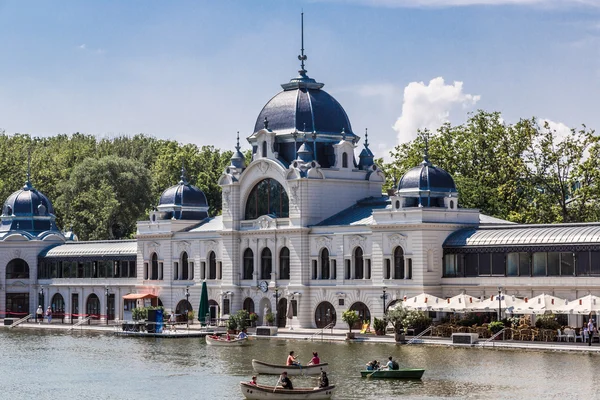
{"type": "Point", "coordinates": [333, 335]}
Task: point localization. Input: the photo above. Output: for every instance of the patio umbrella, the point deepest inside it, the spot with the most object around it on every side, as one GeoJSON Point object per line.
{"type": "Point", "coordinates": [203, 307]}
{"type": "Point", "coordinates": [459, 303]}
{"type": "Point", "coordinates": [422, 302]}
{"type": "Point", "coordinates": [542, 304]}
{"type": "Point", "coordinates": [584, 305]}
{"type": "Point", "coordinates": [508, 303]}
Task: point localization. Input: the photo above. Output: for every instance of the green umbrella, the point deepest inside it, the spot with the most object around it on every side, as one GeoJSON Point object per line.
{"type": "Point", "coordinates": [203, 308]}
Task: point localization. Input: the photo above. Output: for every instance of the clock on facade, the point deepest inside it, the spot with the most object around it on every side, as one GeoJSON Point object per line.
{"type": "Point", "coordinates": [264, 286]}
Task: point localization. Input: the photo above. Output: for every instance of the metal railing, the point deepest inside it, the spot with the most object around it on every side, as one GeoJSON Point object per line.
{"type": "Point", "coordinates": [83, 321]}
{"type": "Point", "coordinates": [493, 337]}
{"type": "Point", "coordinates": [418, 337]}
{"type": "Point", "coordinates": [329, 326]}
{"type": "Point", "coordinates": [20, 321]}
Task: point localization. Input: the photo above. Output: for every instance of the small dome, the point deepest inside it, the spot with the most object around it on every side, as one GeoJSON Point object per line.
{"type": "Point", "coordinates": [426, 177]}
{"type": "Point", "coordinates": [183, 201]}
{"type": "Point", "coordinates": [28, 210]}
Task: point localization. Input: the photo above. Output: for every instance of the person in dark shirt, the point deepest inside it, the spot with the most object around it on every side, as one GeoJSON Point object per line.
{"type": "Point", "coordinates": [323, 380]}
{"type": "Point", "coordinates": [286, 383]}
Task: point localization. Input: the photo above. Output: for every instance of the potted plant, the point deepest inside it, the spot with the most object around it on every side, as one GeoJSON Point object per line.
{"type": "Point", "coordinates": [253, 317]}
{"type": "Point", "coordinates": [496, 326]}
{"type": "Point", "coordinates": [396, 317]}
{"type": "Point", "coordinates": [242, 318]}
{"type": "Point", "coordinates": [379, 326]}
{"type": "Point", "coordinates": [350, 317]}
{"type": "Point", "coordinates": [270, 318]}
{"type": "Point", "coordinates": [232, 324]}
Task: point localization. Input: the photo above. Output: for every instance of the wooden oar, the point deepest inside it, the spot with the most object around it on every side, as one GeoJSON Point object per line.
{"type": "Point", "coordinates": [369, 376]}
{"type": "Point", "coordinates": [278, 380]}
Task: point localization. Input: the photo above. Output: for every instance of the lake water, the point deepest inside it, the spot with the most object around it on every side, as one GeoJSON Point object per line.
{"type": "Point", "coordinates": [54, 365]}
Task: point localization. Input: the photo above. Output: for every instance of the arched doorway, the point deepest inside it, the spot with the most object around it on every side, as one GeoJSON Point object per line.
{"type": "Point", "coordinates": [325, 314]}
{"type": "Point", "coordinates": [363, 314]}
{"type": "Point", "coordinates": [92, 306]}
{"type": "Point", "coordinates": [182, 310]}
{"type": "Point", "coordinates": [213, 310]}
{"type": "Point", "coordinates": [58, 306]}
{"type": "Point", "coordinates": [17, 269]}
{"type": "Point", "coordinates": [282, 312]}
{"type": "Point", "coordinates": [248, 305]}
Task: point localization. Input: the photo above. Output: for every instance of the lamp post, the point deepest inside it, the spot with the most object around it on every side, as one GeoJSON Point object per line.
{"type": "Point", "coordinates": [499, 302]}
{"type": "Point", "coordinates": [276, 295]}
{"type": "Point", "coordinates": [384, 297]}
{"type": "Point", "coordinates": [106, 296]}
{"type": "Point", "coordinates": [187, 299]}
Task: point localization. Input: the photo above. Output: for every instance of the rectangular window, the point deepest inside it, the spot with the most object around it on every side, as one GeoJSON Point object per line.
{"type": "Point", "coordinates": [132, 269]}
{"type": "Point", "coordinates": [160, 271]}
{"type": "Point", "coordinates": [539, 264]}
{"type": "Point", "coordinates": [583, 263]}
{"type": "Point", "coordinates": [226, 306]}
{"type": "Point", "coordinates": [524, 264]}
{"type": "Point", "coordinates": [485, 264]}
{"type": "Point", "coordinates": [409, 273]}
{"type": "Point", "coordinates": [567, 264]}
{"type": "Point", "coordinates": [460, 265]}
{"type": "Point", "coordinates": [314, 269]}
{"type": "Point", "coordinates": [87, 267]}
{"type": "Point", "coordinates": [53, 271]}
{"type": "Point", "coordinates": [294, 308]}
{"type": "Point", "coordinates": [386, 273]}
{"type": "Point", "coordinates": [340, 302]}
{"type": "Point", "coordinates": [347, 272]}
{"type": "Point", "coordinates": [101, 269]}
{"type": "Point", "coordinates": [175, 270]}
{"type": "Point", "coordinates": [595, 263]}
{"type": "Point", "coordinates": [450, 265]}
{"type": "Point", "coordinates": [498, 264]}
{"type": "Point", "coordinates": [553, 266]}
{"type": "Point", "coordinates": [203, 271]}
{"type": "Point", "coordinates": [109, 267]}
{"type": "Point", "coordinates": [220, 272]}
{"type": "Point", "coordinates": [368, 276]}
{"type": "Point", "coordinates": [333, 269]}
{"type": "Point", "coordinates": [512, 264]}
{"type": "Point", "coordinates": [471, 265]}
{"type": "Point", "coordinates": [146, 270]}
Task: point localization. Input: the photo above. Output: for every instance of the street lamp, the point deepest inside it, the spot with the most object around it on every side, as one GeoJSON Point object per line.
{"type": "Point", "coordinates": [187, 299]}
{"type": "Point", "coordinates": [499, 302]}
{"type": "Point", "coordinates": [276, 295]}
{"type": "Point", "coordinates": [106, 292]}
{"type": "Point", "coordinates": [384, 297]}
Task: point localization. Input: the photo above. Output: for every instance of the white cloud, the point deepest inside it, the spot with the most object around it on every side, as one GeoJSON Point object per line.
{"type": "Point", "coordinates": [82, 46]}
{"type": "Point", "coordinates": [429, 106]}
{"type": "Point", "coordinates": [561, 131]}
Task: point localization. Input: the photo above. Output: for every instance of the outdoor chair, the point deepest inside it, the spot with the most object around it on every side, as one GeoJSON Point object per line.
{"type": "Point", "coordinates": [535, 334]}
{"type": "Point", "coordinates": [560, 336]}
{"type": "Point", "coordinates": [570, 333]}
{"type": "Point", "coordinates": [550, 335]}
{"type": "Point", "coordinates": [586, 336]}
{"type": "Point", "coordinates": [525, 334]}
{"type": "Point", "coordinates": [580, 336]}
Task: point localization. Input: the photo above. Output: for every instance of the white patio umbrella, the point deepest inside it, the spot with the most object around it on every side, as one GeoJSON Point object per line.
{"type": "Point", "coordinates": [459, 303]}
{"type": "Point", "coordinates": [422, 302]}
{"type": "Point", "coordinates": [584, 305]}
{"type": "Point", "coordinates": [508, 303]}
{"type": "Point", "coordinates": [542, 304]}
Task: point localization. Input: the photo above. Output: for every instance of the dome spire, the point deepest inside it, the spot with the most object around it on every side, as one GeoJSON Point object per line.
{"type": "Point", "coordinates": [183, 181]}
{"type": "Point", "coordinates": [302, 57]}
{"type": "Point", "coordinates": [426, 149]}
{"type": "Point", "coordinates": [237, 159]}
{"type": "Point", "coordinates": [366, 138]}
{"type": "Point", "coordinates": [28, 185]}
{"type": "Point", "coordinates": [237, 146]}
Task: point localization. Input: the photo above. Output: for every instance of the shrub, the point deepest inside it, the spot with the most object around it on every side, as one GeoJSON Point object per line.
{"type": "Point", "coordinates": [379, 325]}
{"type": "Point", "coordinates": [232, 323]}
{"type": "Point", "coordinates": [396, 317]}
{"type": "Point", "coordinates": [241, 318]}
{"type": "Point", "coordinates": [418, 320]}
{"type": "Point", "coordinates": [253, 317]}
{"type": "Point", "coordinates": [496, 326]}
{"type": "Point", "coordinates": [270, 317]}
{"type": "Point", "coordinates": [546, 321]}
{"type": "Point", "coordinates": [350, 317]}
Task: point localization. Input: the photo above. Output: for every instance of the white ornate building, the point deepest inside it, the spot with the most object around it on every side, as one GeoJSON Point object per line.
{"type": "Point", "coordinates": [304, 226]}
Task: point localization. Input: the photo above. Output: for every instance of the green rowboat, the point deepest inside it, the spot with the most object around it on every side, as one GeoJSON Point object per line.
{"type": "Point", "coordinates": [405, 373]}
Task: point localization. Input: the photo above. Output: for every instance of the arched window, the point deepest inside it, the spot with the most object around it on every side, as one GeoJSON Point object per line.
{"type": "Point", "coordinates": [92, 306]}
{"type": "Point", "coordinates": [284, 263]}
{"type": "Point", "coordinates": [325, 264]}
{"type": "Point", "coordinates": [358, 263]}
{"type": "Point", "coordinates": [264, 148]}
{"type": "Point", "coordinates": [212, 265]}
{"type": "Point", "coordinates": [154, 274]}
{"type": "Point", "coordinates": [248, 305]}
{"type": "Point", "coordinates": [185, 271]}
{"type": "Point", "coordinates": [267, 197]}
{"type": "Point", "coordinates": [265, 264]}
{"type": "Point", "coordinates": [248, 264]}
{"type": "Point", "coordinates": [344, 160]}
{"type": "Point", "coordinates": [17, 269]}
{"type": "Point", "coordinates": [398, 263]}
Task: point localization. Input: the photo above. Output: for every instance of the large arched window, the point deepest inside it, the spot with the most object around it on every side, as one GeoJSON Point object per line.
{"type": "Point", "coordinates": [265, 264]}
{"type": "Point", "coordinates": [248, 264]}
{"type": "Point", "coordinates": [154, 274]}
{"type": "Point", "coordinates": [358, 263]}
{"type": "Point", "coordinates": [212, 265]}
{"type": "Point", "coordinates": [398, 263]}
{"type": "Point", "coordinates": [17, 269]}
{"type": "Point", "coordinates": [185, 271]}
{"type": "Point", "coordinates": [268, 197]}
{"type": "Point", "coordinates": [325, 264]}
{"type": "Point", "coordinates": [284, 263]}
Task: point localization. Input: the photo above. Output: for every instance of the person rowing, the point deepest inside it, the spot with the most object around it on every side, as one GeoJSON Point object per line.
{"type": "Point", "coordinates": [292, 360]}
{"type": "Point", "coordinates": [286, 382]}
{"type": "Point", "coordinates": [323, 380]}
{"type": "Point", "coordinates": [391, 364]}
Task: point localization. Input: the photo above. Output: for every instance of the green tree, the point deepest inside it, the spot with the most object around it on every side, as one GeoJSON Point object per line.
{"type": "Point", "coordinates": [104, 198]}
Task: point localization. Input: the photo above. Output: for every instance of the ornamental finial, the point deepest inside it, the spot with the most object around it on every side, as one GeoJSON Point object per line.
{"type": "Point", "coordinates": [302, 57]}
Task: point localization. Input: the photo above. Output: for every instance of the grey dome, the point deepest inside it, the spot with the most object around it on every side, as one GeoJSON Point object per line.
{"type": "Point", "coordinates": [426, 177]}
{"type": "Point", "coordinates": [183, 201]}
{"type": "Point", "coordinates": [28, 210]}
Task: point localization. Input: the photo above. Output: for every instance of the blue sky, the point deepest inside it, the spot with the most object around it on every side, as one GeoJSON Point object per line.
{"type": "Point", "coordinates": [200, 71]}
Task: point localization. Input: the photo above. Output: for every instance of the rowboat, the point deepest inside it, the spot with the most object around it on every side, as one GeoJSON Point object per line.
{"type": "Point", "coordinates": [405, 373]}
{"type": "Point", "coordinates": [216, 341]}
{"type": "Point", "coordinates": [274, 369]}
{"type": "Point", "coordinates": [272, 392]}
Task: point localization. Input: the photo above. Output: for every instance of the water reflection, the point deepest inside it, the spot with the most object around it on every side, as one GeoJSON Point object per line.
{"type": "Point", "coordinates": [50, 365]}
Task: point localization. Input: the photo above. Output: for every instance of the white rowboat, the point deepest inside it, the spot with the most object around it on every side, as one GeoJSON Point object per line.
{"type": "Point", "coordinates": [293, 370]}
{"type": "Point", "coordinates": [271, 392]}
{"type": "Point", "coordinates": [224, 342]}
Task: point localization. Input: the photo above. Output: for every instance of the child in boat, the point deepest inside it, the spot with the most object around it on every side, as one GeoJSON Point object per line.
{"type": "Point", "coordinates": [253, 381]}
{"type": "Point", "coordinates": [291, 360]}
{"type": "Point", "coordinates": [315, 360]}
{"type": "Point", "coordinates": [286, 383]}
